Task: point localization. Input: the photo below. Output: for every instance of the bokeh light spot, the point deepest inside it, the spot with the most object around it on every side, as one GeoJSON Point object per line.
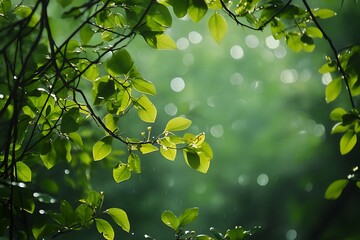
{"type": "Point", "coordinates": [262, 179]}
{"type": "Point", "coordinates": [217, 130]}
{"type": "Point", "coordinates": [195, 37]}
{"type": "Point", "coordinates": [271, 42]}
{"type": "Point", "coordinates": [291, 234]}
{"type": "Point", "coordinates": [171, 109]}
{"type": "Point", "coordinates": [182, 43]}
{"type": "Point", "coordinates": [236, 52]}
{"type": "Point", "coordinates": [326, 78]}
{"type": "Point", "coordinates": [252, 41]}
{"type": "Point", "coordinates": [177, 84]}
{"type": "Point", "coordinates": [236, 79]}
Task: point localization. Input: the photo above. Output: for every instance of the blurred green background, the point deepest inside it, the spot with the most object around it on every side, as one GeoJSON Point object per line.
{"type": "Point", "coordinates": [263, 111]}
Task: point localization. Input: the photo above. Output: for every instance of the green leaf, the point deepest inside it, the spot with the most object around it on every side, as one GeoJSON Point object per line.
{"type": "Point", "coordinates": [84, 213]}
{"type": "Point", "coordinates": [68, 121]}
{"type": "Point", "coordinates": [86, 34]}
{"type": "Point", "coordinates": [147, 148]}
{"type": "Point", "coordinates": [197, 10]}
{"type": "Point", "coordinates": [76, 138]}
{"type": "Point", "coordinates": [335, 189]}
{"type": "Point", "coordinates": [92, 72]}
{"type": "Point", "coordinates": [314, 32]}
{"type": "Point", "coordinates": [105, 228]}
{"type": "Point", "coordinates": [120, 218]}
{"type": "Point", "coordinates": [333, 89]}
{"type": "Point", "coordinates": [337, 114]}
{"type": "Point", "coordinates": [5, 6]}
{"type": "Point", "coordinates": [339, 128]}
{"type": "Point", "coordinates": [37, 231]}
{"type": "Point", "coordinates": [121, 172]}
{"type": "Point", "coordinates": [65, 3]}
{"type": "Point", "coordinates": [62, 148]}
{"type": "Point", "coordinates": [192, 159]}
{"type": "Point", "coordinates": [111, 122]}
{"type": "Point", "coordinates": [217, 26]}
{"type": "Point", "coordinates": [102, 148]}
{"type": "Point", "coordinates": [328, 67]}
{"type": "Point", "coordinates": [168, 149]}
{"type": "Point", "coordinates": [203, 237]}
{"type": "Point", "coordinates": [146, 109]}
{"type": "Point", "coordinates": [308, 43]}
{"type": "Point", "coordinates": [94, 199]}
{"type": "Point", "coordinates": [216, 234]}
{"type": "Point", "coordinates": [323, 13]}
{"type": "Point", "coordinates": [143, 86]}
{"type": "Point", "coordinates": [170, 219]}
{"type": "Point", "coordinates": [347, 142]}
{"type": "Point", "coordinates": [49, 158]}
{"type": "Point", "coordinates": [237, 233]}
{"type": "Point", "coordinates": [160, 41]}
{"type": "Point", "coordinates": [23, 172]}
{"type": "Point", "coordinates": [67, 213]}
{"type": "Point", "coordinates": [119, 63]}
{"type": "Point", "coordinates": [294, 42]}
{"type": "Point", "coordinates": [179, 7]}
{"type": "Point", "coordinates": [188, 216]}
{"type": "Point", "coordinates": [134, 163]}
{"type": "Point", "coordinates": [177, 124]}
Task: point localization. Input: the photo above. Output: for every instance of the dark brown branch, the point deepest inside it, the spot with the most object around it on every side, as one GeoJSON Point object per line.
{"type": "Point", "coordinates": [333, 49]}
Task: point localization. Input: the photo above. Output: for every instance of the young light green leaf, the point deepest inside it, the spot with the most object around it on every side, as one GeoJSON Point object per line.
{"type": "Point", "coordinates": [170, 219]}
{"type": "Point", "coordinates": [134, 163]}
{"type": "Point", "coordinates": [294, 42]}
{"type": "Point", "coordinates": [217, 26]}
{"type": "Point", "coordinates": [177, 124]}
{"type": "Point", "coordinates": [23, 172]}
{"type": "Point", "coordinates": [92, 72]}
{"type": "Point", "coordinates": [337, 113]}
{"type": "Point", "coordinates": [314, 32]}
{"type": "Point", "coordinates": [110, 122]}
{"type": "Point", "coordinates": [143, 86]}
{"type": "Point", "coordinates": [323, 13]}
{"type": "Point", "coordinates": [121, 172]}
{"type": "Point", "coordinates": [164, 41]}
{"type": "Point", "coordinates": [333, 90]}
{"type": "Point", "coordinates": [335, 189]}
{"type": "Point", "coordinates": [105, 228]}
{"type": "Point", "coordinates": [119, 63]}
{"type": "Point", "coordinates": [197, 10]}
{"type": "Point", "coordinates": [146, 109]}
{"type": "Point", "coordinates": [168, 149]}
{"type": "Point", "coordinates": [188, 216]}
{"type": "Point", "coordinates": [120, 218]}
{"type": "Point", "coordinates": [347, 142]}
{"type": "Point", "coordinates": [102, 148]}
{"type": "Point", "coordinates": [147, 148]}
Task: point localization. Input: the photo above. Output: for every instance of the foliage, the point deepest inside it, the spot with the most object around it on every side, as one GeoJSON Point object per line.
{"type": "Point", "coordinates": [188, 216]}
{"type": "Point", "coordinates": [46, 110]}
